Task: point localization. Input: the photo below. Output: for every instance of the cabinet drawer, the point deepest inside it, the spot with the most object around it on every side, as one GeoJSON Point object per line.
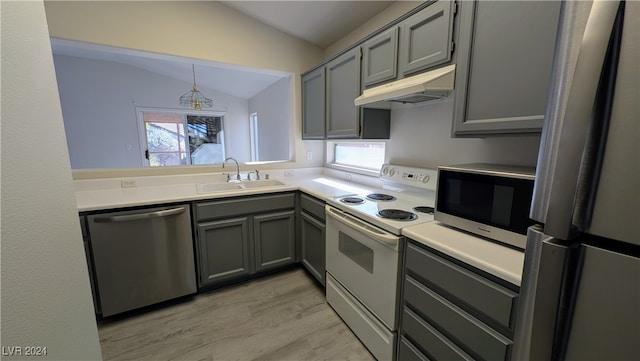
{"type": "Point", "coordinates": [427, 339]}
{"type": "Point", "coordinates": [250, 205]}
{"type": "Point", "coordinates": [312, 206]}
{"type": "Point", "coordinates": [408, 352]}
{"type": "Point", "coordinates": [467, 332]}
{"type": "Point", "coordinates": [471, 291]}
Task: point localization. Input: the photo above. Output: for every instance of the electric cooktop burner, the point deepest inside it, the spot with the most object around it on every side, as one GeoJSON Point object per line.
{"type": "Point", "coordinates": [397, 214]}
{"type": "Point", "coordinates": [381, 197]}
{"type": "Point", "coordinates": [352, 200]}
{"type": "Point", "coordinates": [424, 209]}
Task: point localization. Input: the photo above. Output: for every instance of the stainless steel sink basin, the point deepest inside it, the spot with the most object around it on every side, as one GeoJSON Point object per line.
{"type": "Point", "coordinates": [223, 187]}
{"type": "Point", "coordinates": [217, 187]}
{"type": "Point", "coordinates": [262, 183]}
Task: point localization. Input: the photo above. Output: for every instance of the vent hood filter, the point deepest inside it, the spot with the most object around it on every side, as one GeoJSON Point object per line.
{"type": "Point", "coordinates": [427, 86]}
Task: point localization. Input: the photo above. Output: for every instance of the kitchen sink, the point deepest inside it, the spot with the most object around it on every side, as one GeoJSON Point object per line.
{"type": "Point", "coordinates": [222, 187]}
{"type": "Point", "coordinates": [217, 187]}
{"type": "Point", "coordinates": [261, 183]}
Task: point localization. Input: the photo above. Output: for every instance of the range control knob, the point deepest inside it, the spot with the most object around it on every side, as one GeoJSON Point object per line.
{"type": "Point", "coordinates": [392, 172]}
{"type": "Point", "coordinates": [426, 179]}
{"type": "Point", "coordinates": [385, 170]}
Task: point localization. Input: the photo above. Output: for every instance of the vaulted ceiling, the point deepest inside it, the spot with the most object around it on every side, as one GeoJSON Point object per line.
{"type": "Point", "coordinates": [318, 22]}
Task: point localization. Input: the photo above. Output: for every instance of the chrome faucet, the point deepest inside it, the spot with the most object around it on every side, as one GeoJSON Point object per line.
{"type": "Point", "coordinates": [237, 168]}
{"type": "Point", "coordinates": [257, 175]}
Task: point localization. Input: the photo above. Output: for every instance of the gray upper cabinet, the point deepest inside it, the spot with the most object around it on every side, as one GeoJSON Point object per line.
{"type": "Point", "coordinates": [379, 60]}
{"type": "Point", "coordinates": [426, 38]}
{"type": "Point", "coordinates": [343, 86]}
{"type": "Point", "coordinates": [504, 60]}
{"type": "Point", "coordinates": [343, 119]}
{"type": "Point", "coordinates": [313, 95]}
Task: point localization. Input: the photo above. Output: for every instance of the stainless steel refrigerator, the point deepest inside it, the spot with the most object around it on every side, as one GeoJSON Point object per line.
{"type": "Point", "coordinates": [580, 294]}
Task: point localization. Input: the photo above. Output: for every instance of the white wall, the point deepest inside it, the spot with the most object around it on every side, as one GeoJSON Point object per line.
{"type": "Point", "coordinates": [421, 136]}
{"type": "Point", "coordinates": [46, 297]}
{"type": "Point", "coordinates": [99, 100]}
{"type": "Point", "coordinates": [205, 30]}
{"type": "Point", "coordinates": [273, 106]}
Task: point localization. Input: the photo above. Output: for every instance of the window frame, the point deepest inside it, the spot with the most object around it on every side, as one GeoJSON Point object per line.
{"type": "Point", "coordinates": [330, 157]}
{"type": "Point", "coordinates": [184, 112]}
{"type": "Point", "coordinates": [253, 131]}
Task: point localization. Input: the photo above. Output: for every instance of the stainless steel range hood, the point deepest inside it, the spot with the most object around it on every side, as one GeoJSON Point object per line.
{"type": "Point", "coordinates": [427, 86]}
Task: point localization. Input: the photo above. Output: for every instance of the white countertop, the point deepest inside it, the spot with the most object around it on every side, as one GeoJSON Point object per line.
{"type": "Point", "coordinates": [501, 261]}
{"type": "Point", "coordinates": [95, 195]}
{"type": "Point", "coordinates": [93, 198]}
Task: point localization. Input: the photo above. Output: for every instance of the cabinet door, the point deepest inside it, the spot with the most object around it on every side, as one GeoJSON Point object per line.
{"type": "Point", "coordinates": [274, 239]}
{"type": "Point", "coordinates": [224, 250]}
{"type": "Point", "coordinates": [379, 58]}
{"type": "Point", "coordinates": [504, 63]}
{"type": "Point", "coordinates": [426, 37]}
{"type": "Point", "coordinates": [313, 95]}
{"type": "Point", "coordinates": [343, 86]}
{"type": "Point", "coordinates": [313, 246]}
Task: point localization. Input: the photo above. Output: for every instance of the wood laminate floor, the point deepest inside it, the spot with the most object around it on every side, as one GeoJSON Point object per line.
{"type": "Point", "coordinates": [279, 317]}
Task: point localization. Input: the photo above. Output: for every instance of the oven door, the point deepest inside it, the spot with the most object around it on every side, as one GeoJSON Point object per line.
{"type": "Point", "coordinates": [365, 260]}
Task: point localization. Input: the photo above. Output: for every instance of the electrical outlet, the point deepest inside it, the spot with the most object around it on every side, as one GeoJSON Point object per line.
{"type": "Point", "coordinates": [128, 183]}
{"type": "Point", "coordinates": [288, 173]}
{"type": "Point", "coordinates": [309, 155]}
{"type": "Point", "coordinates": [347, 176]}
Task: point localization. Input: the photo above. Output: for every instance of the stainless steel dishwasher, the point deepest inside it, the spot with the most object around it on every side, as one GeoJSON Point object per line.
{"type": "Point", "coordinates": [142, 257]}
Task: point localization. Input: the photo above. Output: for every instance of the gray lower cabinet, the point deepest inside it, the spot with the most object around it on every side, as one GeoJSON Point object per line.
{"type": "Point", "coordinates": [312, 236]}
{"type": "Point", "coordinates": [426, 38]}
{"type": "Point", "coordinates": [313, 104]}
{"type": "Point", "coordinates": [380, 58]}
{"type": "Point", "coordinates": [274, 239]}
{"type": "Point", "coordinates": [238, 237]}
{"type": "Point", "coordinates": [451, 311]}
{"type": "Point", "coordinates": [504, 59]}
{"type": "Point", "coordinates": [224, 250]}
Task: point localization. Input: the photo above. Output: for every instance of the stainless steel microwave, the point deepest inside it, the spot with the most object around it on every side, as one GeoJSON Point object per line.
{"type": "Point", "coordinates": [486, 199]}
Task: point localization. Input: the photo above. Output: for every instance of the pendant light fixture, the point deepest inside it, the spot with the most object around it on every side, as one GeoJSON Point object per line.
{"type": "Point", "coordinates": [193, 98]}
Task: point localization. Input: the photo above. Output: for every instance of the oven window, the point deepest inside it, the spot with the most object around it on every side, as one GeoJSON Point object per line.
{"type": "Point", "coordinates": [356, 251]}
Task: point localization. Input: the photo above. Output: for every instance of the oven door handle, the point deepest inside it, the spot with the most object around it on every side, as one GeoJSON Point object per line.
{"type": "Point", "coordinates": [353, 222]}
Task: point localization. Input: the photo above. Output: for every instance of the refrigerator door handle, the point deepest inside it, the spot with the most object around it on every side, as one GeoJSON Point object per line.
{"type": "Point", "coordinates": [540, 296]}
{"type": "Point", "coordinates": [578, 64]}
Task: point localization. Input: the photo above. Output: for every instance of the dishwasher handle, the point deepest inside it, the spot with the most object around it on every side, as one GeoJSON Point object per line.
{"type": "Point", "coordinates": [139, 216]}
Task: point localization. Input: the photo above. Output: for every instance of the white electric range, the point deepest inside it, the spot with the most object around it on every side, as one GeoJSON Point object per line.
{"type": "Point", "coordinates": [364, 247]}
{"type": "Point", "coordinates": [406, 198]}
